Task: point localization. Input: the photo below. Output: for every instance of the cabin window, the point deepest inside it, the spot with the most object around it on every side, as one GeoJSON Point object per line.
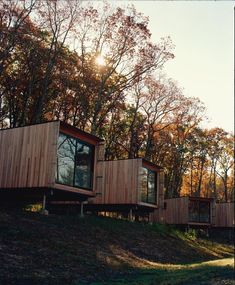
{"type": "Point", "coordinates": [148, 187]}
{"type": "Point", "coordinates": [83, 166]}
{"type": "Point", "coordinates": [199, 211]}
{"type": "Point", "coordinates": [75, 160]}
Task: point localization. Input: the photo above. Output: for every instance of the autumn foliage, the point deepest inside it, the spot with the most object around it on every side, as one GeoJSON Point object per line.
{"type": "Point", "coordinates": [49, 70]}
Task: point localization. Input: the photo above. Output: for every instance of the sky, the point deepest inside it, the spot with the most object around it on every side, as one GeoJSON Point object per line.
{"type": "Point", "coordinates": [203, 35]}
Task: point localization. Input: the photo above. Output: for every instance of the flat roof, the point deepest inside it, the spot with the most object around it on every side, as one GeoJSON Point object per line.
{"type": "Point", "coordinates": [143, 159]}
{"type": "Point", "coordinates": [66, 125]}
{"type": "Point", "coordinates": [73, 128]}
{"type": "Point", "coordinates": [192, 198]}
{"type": "Point", "coordinates": [151, 163]}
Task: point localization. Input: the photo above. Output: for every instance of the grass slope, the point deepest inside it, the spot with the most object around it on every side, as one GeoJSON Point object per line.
{"type": "Point", "coordinates": [35, 249]}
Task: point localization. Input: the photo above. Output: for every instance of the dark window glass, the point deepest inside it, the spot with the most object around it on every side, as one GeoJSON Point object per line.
{"type": "Point", "coordinates": [75, 161]}
{"type": "Point", "coordinates": [65, 165]}
{"type": "Point", "coordinates": [151, 187]}
{"type": "Point", "coordinates": [199, 211]}
{"type": "Point", "coordinates": [144, 185]}
{"type": "Point", "coordinates": [204, 212]}
{"type": "Point", "coordinates": [193, 211]}
{"type": "Point", "coordinates": [83, 166]}
{"type": "Point", "coordinates": [148, 186]}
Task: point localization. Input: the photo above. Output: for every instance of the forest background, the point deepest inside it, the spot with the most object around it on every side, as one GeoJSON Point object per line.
{"type": "Point", "coordinates": [97, 68]}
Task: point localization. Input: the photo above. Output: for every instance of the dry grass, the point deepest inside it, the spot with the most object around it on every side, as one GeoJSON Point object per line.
{"type": "Point", "coordinates": [35, 249]}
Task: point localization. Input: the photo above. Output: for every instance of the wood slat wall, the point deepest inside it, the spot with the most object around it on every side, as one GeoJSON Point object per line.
{"type": "Point", "coordinates": [212, 212]}
{"type": "Point", "coordinates": [224, 215]}
{"type": "Point", "coordinates": [117, 181]}
{"type": "Point", "coordinates": [28, 156]}
{"type": "Point", "coordinates": [176, 211]}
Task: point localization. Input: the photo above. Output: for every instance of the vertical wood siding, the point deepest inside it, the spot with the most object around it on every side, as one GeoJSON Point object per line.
{"type": "Point", "coordinates": [117, 182]}
{"type": "Point", "coordinates": [224, 215]}
{"type": "Point", "coordinates": [176, 211]}
{"type": "Point", "coordinates": [28, 156]}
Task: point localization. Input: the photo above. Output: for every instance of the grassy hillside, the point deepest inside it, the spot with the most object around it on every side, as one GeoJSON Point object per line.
{"type": "Point", "coordinates": [52, 249]}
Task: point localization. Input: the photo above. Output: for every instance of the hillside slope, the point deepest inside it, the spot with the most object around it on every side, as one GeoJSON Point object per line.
{"type": "Point", "coordinates": [52, 249]}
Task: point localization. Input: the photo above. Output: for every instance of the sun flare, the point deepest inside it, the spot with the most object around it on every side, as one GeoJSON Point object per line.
{"type": "Point", "coordinates": [100, 60]}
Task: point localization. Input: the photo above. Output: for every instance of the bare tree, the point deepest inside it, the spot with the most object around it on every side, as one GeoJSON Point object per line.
{"type": "Point", "coordinates": [58, 18]}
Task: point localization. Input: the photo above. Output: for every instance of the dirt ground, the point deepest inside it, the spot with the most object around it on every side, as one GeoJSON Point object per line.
{"type": "Point", "coordinates": [52, 249]}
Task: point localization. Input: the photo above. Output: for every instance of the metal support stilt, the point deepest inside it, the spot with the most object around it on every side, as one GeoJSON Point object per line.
{"type": "Point", "coordinates": [44, 211]}
{"type": "Point", "coordinates": [81, 212]}
{"type": "Point", "coordinates": [130, 215]}
{"type": "Point", "coordinates": [44, 203]}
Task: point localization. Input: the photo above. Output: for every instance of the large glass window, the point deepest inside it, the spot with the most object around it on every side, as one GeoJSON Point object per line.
{"type": "Point", "coordinates": [75, 161]}
{"type": "Point", "coordinates": [65, 159]}
{"type": "Point", "coordinates": [148, 186]}
{"type": "Point", "coordinates": [83, 166]}
{"type": "Point", "coordinates": [204, 208]}
{"type": "Point", "coordinates": [199, 211]}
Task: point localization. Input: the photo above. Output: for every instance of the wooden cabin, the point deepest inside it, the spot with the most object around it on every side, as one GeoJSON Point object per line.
{"type": "Point", "coordinates": [53, 159]}
{"type": "Point", "coordinates": [224, 215]}
{"type": "Point", "coordinates": [186, 211]}
{"type": "Point", "coordinates": [66, 166]}
{"type": "Point", "coordinates": [134, 185]}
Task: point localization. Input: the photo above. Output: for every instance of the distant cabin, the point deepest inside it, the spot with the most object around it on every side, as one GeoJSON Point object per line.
{"type": "Point", "coordinates": [52, 159]}
{"type": "Point", "coordinates": [194, 211]}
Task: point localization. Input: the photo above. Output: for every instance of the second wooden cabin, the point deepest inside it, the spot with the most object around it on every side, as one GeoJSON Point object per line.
{"type": "Point", "coordinates": [128, 185]}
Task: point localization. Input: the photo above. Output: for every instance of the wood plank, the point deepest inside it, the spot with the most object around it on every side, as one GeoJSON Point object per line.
{"type": "Point", "coordinates": [224, 215]}
{"type": "Point", "coordinates": [176, 211]}
{"type": "Point", "coordinates": [117, 182]}
{"type": "Point", "coordinates": [27, 156]}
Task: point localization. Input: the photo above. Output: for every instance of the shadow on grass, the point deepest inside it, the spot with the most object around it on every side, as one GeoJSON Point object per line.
{"type": "Point", "coordinates": [218, 272]}
{"type": "Point", "coordinates": [38, 250]}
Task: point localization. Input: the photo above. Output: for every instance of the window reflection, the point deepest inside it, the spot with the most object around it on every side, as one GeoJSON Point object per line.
{"type": "Point", "coordinates": [199, 211]}
{"type": "Point", "coordinates": [204, 212]}
{"type": "Point", "coordinates": [193, 211]}
{"type": "Point", "coordinates": [74, 162]}
{"type": "Point", "coordinates": [144, 186]}
{"type": "Point", "coordinates": [83, 166]}
{"type": "Point", "coordinates": [65, 165]}
{"type": "Point", "coordinates": [148, 186]}
{"type": "Point", "coordinates": [151, 187]}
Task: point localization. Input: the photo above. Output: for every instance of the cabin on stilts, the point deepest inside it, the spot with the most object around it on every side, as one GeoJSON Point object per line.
{"type": "Point", "coordinates": [48, 161]}
{"type": "Point", "coordinates": [187, 211]}
{"type": "Point", "coordinates": [133, 187]}
{"type": "Point", "coordinates": [62, 166]}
